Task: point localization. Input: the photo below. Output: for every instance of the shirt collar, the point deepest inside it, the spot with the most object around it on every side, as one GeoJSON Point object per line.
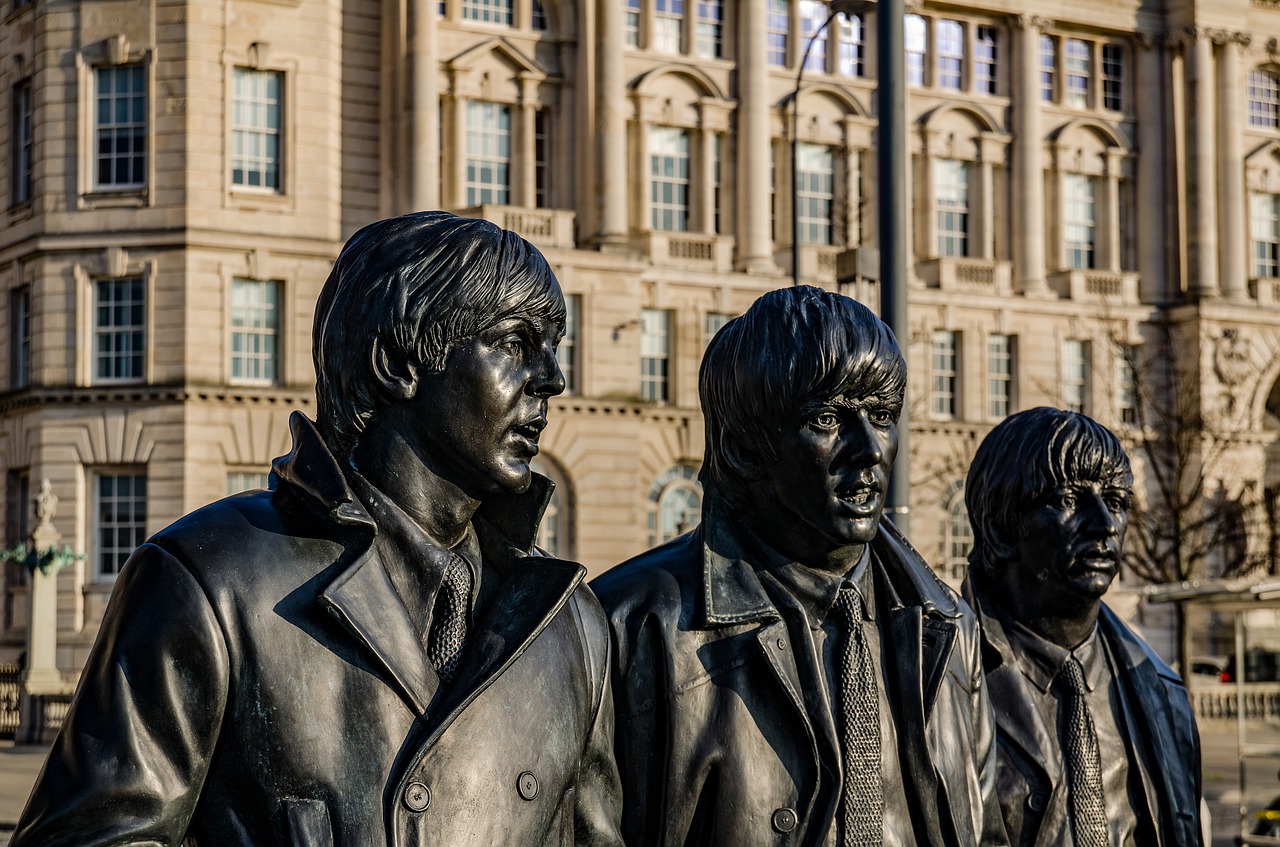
{"type": "Point", "coordinates": [814, 590]}
{"type": "Point", "coordinates": [1041, 660]}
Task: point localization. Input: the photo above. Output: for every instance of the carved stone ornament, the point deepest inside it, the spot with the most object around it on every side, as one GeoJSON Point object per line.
{"type": "Point", "coordinates": [1231, 361]}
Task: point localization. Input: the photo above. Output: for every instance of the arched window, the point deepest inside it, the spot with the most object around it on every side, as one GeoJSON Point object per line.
{"type": "Point", "coordinates": [957, 535]}
{"type": "Point", "coordinates": [675, 504]}
{"type": "Point", "coordinates": [555, 531]}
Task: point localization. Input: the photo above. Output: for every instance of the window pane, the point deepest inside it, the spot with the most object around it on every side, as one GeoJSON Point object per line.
{"type": "Point", "coordinates": [119, 327]}
{"type": "Point", "coordinates": [813, 14]}
{"type": "Point", "coordinates": [668, 19]}
{"type": "Point", "coordinates": [655, 352]}
{"type": "Point", "coordinates": [487, 11]}
{"type": "Point", "coordinates": [120, 509]}
{"type": "Point", "coordinates": [709, 38]}
{"type": "Point", "coordinates": [669, 178]}
{"type": "Point", "coordinates": [567, 352]}
{"type": "Point", "coordinates": [815, 192]}
{"type": "Point", "coordinates": [1112, 76]}
{"type": "Point", "coordinates": [852, 35]}
{"type": "Point", "coordinates": [23, 142]}
{"type": "Point", "coordinates": [1265, 226]}
{"type": "Point", "coordinates": [255, 129]}
{"type": "Point", "coordinates": [120, 127]}
{"type": "Point", "coordinates": [1075, 375]}
{"type": "Point", "coordinates": [488, 153]}
{"type": "Point", "coordinates": [984, 60]}
{"type": "Point", "coordinates": [1264, 99]}
{"type": "Point", "coordinates": [255, 330]}
{"type": "Point", "coordinates": [943, 370]}
{"type": "Point", "coordinates": [1079, 220]}
{"type": "Point", "coordinates": [1048, 67]}
{"type": "Point", "coordinates": [949, 41]}
{"type": "Point", "coordinates": [914, 38]}
{"type": "Point", "coordinates": [999, 376]}
{"type": "Point", "coordinates": [1076, 92]}
{"type": "Point", "coordinates": [951, 206]}
{"type": "Point", "coordinates": [777, 27]}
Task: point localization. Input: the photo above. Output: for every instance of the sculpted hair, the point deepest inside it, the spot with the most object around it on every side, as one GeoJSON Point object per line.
{"type": "Point", "coordinates": [1026, 455]}
{"type": "Point", "coordinates": [407, 288]}
{"type": "Point", "coordinates": [794, 347]}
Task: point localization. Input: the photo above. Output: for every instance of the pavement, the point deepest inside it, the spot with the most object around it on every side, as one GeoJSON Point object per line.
{"type": "Point", "coordinates": [19, 766]}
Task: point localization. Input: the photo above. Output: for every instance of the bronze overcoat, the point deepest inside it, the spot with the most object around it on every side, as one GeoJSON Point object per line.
{"type": "Point", "coordinates": [257, 682]}
{"type": "Point", "coordinates": [1158, 720]}
{"type": "Point", "coordinates": [715, 745]}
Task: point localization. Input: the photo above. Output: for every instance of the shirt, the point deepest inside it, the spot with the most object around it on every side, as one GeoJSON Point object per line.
{"type": "Point", "coordinates": [1041, 661]}
{"type": "Point", "coordinates": [804, 597]}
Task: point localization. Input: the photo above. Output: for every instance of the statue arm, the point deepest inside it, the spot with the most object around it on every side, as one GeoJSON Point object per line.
{"type": "Point", "coordinates": [130, 760]}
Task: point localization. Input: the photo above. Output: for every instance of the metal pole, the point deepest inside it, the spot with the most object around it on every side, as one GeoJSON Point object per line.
{"type": "Point", "coordinates": [891, 170]}
{"type": "Point", "coordinates": [795, 147]}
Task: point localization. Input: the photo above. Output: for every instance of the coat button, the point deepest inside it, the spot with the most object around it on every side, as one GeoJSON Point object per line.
{"type": "Point", "coordinates": [782, 644]}
{"type": "Point", "coordinates": [527, 785]}
{"type": "Point", "coordinates": [1036, 801]}
{"type": "Point", "coordinates": [417, 797]}
{"type": "Point", "coordinates": [784, 820]}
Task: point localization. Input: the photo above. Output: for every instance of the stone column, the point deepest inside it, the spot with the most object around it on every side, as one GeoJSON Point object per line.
{"type": "Point", "coordinates": [1157, 225]}
{"type": "Point", "coordinates": [456, 187]}
{"type": "Point", "coordinates": [754, 239]}
{"type": "Point", "coordinates": [425, 132]}
{"type": "Point", "coordinates": [1203, 190]}
{"type": "Point", "coordinates": [41, 677]}
{"type": "Point", "coordinates": [1027, 201]}
{"type": "Point", "coordinates": [1232, 226]}
{"type": "Point", "coordinates": [989, 152]}
{"type": "Point", "coordinates": [706, 197]}
{"type": "Point", "coordinates": [1114, 237]}
{"type": "Point", "coordinates": [611, 133]}
{"type": "Point", "coordinates": [524, 182]}
{"type": "Point", "coordinates": [851, 236]}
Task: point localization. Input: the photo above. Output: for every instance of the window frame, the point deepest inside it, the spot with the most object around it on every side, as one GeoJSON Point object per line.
{"type": "Point", "coordinates": [1077, 73]}
{"type": "Point", "coordinates": [816, 207]}
{"type": "Point", "coordinates": [655, 355]}
{"type": "Point", "coordinates": [944, 374]}
{"type": "Point", "coordinates": [949, 64]}
{"type": "Point", "coordinates": [487, 12]}
{"type": "Point", "coordinates": [568, 354]}
{"type": "Point", "coordinates": [986, 59]}
{"type": "Point", "coordinates": [22, 143]}
{"type": "Point", "coordinates": [1080, 254]}
{"type": "Point", "coordinates": [267, 133]}
{"type": "Point", "coordinates": [676, 214]}
{"type": "Point", "coordinates": [480, 192]}
{"type": "Point", "coordinates": [1262, 94]}
{"type": "Point", "coordinates": [97, 475]}
{"type": "Point", "coordinates": [1264, 247]}
{"type": "Point", "coordinates": [1075, 375]}
{"type": "Point", "coordinates": [950, 242]}
{"type": "Point", "coordinates": [916, 61]}
{"type": "Point", "coordinates": [709, 29]}
{"type": "Point", "coordinates": [270, 331]}
{"type": "Point", "coordinates": [142, 330]}
{"type": "Point", "coordinates": [20, 337]}
{"type": "Point", "coordinates": [1111, 73]}
{"type": "Point", "coordinates": [778, 33]}
{"type": "Point", "coordinates": [1001, 375]}
{"type": "Point", "coordinates": [97, 128]}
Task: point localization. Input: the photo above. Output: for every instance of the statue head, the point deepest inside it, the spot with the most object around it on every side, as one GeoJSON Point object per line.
{"type": "Point", "coordinates": [454, 317]}
{"type": "Point", "coordinates": [801, 396]}
{"type": "Point", "coordinates": [1048, 495]}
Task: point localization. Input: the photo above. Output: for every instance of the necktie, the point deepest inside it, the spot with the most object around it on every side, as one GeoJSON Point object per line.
{"type": "Point", "coordinates": [449, 618]}
{"type": "Point", "coordinates": [862, 794]}
{"type": "Point", "coordinates": [1084, 764]}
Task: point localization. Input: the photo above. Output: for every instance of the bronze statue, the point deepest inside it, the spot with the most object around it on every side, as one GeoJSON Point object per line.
{"type": "Point", "coordinates": [791, 671]}
{"type": "Point", "coordinates": [372, 652]}
{"type": "Point", "coordinates": [1097, 743]}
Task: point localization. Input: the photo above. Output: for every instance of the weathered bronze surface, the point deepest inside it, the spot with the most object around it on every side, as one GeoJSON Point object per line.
{"type": "Point", "coordinates": [262, 674]}
{"type": "Point", "coordinates": [725, 674]}
{"type": "Point", "coordinates": [1048, 496]}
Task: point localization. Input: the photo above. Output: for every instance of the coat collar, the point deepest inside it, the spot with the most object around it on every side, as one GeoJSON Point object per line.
{"type": "Point", "coordinates": [732, 593]}
{"type": "Point", "coordinates": [361, 596]}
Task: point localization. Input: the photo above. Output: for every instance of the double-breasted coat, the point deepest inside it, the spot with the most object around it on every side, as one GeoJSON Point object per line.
{"type": "Point", "coordinates": [1158, 720]}
{"type": "Point", "coordinates": [716, 747]}
{"type": "Point", "coordinates": [257, 681]}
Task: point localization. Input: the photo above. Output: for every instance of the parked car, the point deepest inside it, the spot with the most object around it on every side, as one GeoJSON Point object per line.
{"type": "Point", "coordinates": [1259, 666]}
{"type": "Point", "coordinates": [1206, 669]}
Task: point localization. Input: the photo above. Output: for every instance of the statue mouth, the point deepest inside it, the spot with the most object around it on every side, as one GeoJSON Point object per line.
{"type": "Point", "coordinates": [531, 430]}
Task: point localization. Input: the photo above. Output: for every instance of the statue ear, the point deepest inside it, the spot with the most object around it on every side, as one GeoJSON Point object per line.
{"type": "Point", "coordinates": [1001, 546]}
{"type": "Point", "coordinates": [395, 374]}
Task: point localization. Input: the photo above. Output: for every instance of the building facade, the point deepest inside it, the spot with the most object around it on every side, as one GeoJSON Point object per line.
{"type": "Point", "coordinates": [181, 174]}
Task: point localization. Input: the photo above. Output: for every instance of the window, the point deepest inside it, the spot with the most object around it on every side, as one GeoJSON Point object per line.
{"type": "Point", "coordinates": [1075, 375]}
{"type": "Point", "coordinates": [715, 320]}
{"type": "Point", "coordinates": [1076, 74]}
{"type": "Point", "coordinates": [631, 23]}
{"type": "Point", "coordinates": [958, 537]}
{"type": "Point", "coordinates": [669, 178]}
{"type": "Point", "coordinates": [813, 15]}
{"type": "Point", "coordinates": [1265, 224]}
{"type": "Point", "coordinates": [538, 17]}
{"type": "Point", "coordinates": [949, 42]}
{"type": "Point", "coordinates": [119, 330]}
{"type": "Point", "coordinates": [567, 352]}
{"type": "Point", "coordinates": [542, 159]}
{"type": "Point", "coordinates": [120, 511]}
{"type": "Point", "coordinates": [488, 153]}
{"type": "Point", "coordinates": [675, 504]}
{"type": "Point", "coordinates": [655, 352]}
{"type": "Point", "coordinates": [20, 337]}
{"type": "Point", "coordinates": [487, 11]}
{"type": "Point", "coordinates": [255, 331]}
{"type": "Point", "coordinates": [17, 507]}
{"type": "Point", "coordinates": [943, 358]}
{"type": "Point", "coordinates": [255, 129]}
{"type": "Point", "coordinates": [1112, 77]}
{"type": "Point", "coordinates": [1127, 384]}
{"type": "Point", "coordinates": [951, 205]}
{"type": "Point", "coordinates": [999, 376]}
{"type": "Point", "coordinates": [238, 481]}
{"type": "Point", "coordinates": [1048, 67]}
{"type": "Point", "coordinates": [23, 143]}
{"type": "Point", "coordinates": [776, 28]}
{"type": "Point", "coordinates": [709, 35]}
{"type": "Point", "coordinates": [984, 60]}
{"type": "Point", "coordinates": [852, 35]}
{"type": "Point", "coordinates": [1264, 99]}
{"type": "Point", "coordinates": [914, 41]}
{"type": "Point", "coordinates": [815, 192]}
{"type": "Point", "coordinates": [668, 18]}
{"type": "Point", "coordinates": [1079, 220]}
{"type": "Point", "coordinates": [120, 127]}
{"type": "Point", "coordinates": [717, 181]}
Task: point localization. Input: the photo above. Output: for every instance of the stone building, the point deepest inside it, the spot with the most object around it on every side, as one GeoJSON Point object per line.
{"type": "Point", "coordinates": [181, 173]}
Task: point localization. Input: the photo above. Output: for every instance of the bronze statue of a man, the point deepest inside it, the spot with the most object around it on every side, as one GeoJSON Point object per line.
{"type": "Point", "coordinates": [1096, 740]}
{"type": "Point", "coordinates": [791, 671]}
{"type": "Point", "coordinates": [372, 652]}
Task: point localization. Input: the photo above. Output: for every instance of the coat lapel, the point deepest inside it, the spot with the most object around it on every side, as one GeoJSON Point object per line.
{"type": "Point", "coordinates": [363, 599]}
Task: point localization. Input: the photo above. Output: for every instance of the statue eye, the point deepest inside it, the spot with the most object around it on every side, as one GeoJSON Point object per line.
{"type": "Point", "coordinates": [826, 420]}
{"type": "Point", "coordinates": [880, 417]}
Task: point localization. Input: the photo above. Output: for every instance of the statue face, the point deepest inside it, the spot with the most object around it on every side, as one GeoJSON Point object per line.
{"type": "Point", "coordinates": [826, 490]}
{"type": "Point", "coordinates": [476, 423]}
{"type": "Point", "coordinates": [1068, 546]}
